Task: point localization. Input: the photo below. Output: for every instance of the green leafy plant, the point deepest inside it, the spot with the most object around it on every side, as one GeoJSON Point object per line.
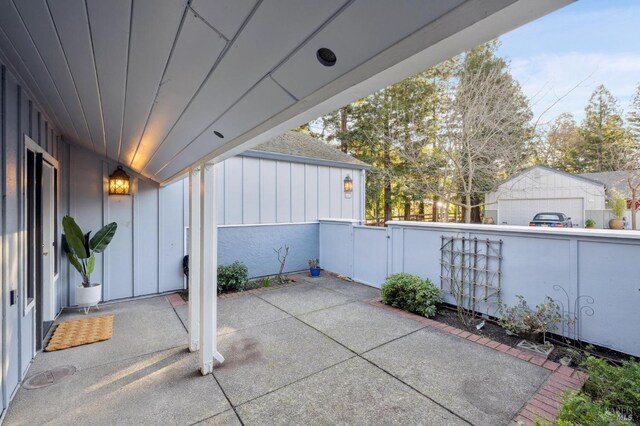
{"type": "Point", "coordinates": [616, 388]}
{"type": "Point", "coordinates": [265, 282]}
{"type": "Point", "coordinates": [412, 293]}
{"type": "Point", "coordinates": [617, 204]}
{"type": "Point", "coordinates": [232, 277]}
{"type": "Point", "coordinates": [314, 263]}
{"type": "Point", "coordinates": [580, 409]}
{"type": "Point", "coordinates": [531, 324]}
{"type": "Point", "coordinates": [589, 223]}
{"type": "Point", "coordinates": [81, 248]}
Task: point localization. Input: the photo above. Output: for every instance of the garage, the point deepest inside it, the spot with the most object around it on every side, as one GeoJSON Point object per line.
{"type": "Point", "coordinates": [543, 189]}
{"type": "Point", "coordinates": [520, 212]}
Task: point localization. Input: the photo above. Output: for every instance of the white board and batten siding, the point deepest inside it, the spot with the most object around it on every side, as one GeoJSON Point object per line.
{"type": "Point", "coordinates": [541, 189]}
{"type": "Point", "coordinates": [266, 191]}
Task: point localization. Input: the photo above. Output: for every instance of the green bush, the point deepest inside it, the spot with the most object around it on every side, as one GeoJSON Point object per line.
{"type": "Point", "coordinates": [615, 388]}
{"type": "Point", "coordinates": [232, 277]}
{"type": "Point", "coordinates": [580, 409]}
{"type": "Point", "coordinates": [411, 293]}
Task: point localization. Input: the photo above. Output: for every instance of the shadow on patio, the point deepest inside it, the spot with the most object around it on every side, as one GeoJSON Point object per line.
{"type": "Point", "coordinates": [310, 353]}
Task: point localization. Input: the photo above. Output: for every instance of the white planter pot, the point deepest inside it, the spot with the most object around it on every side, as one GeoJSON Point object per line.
{"type": "Point", "coordinates": [88, 296]}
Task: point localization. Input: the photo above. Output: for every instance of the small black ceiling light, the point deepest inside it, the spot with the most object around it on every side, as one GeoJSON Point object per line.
{"type": "Point", "coordinates": [218, 134]}
{"type": "Point", "coordinates": [326, 57]}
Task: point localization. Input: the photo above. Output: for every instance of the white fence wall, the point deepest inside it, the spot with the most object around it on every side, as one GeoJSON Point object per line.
{"type": "Point", "coordinates": [585, 263]}
{"type": "Point", "coordinates": [260, 191]}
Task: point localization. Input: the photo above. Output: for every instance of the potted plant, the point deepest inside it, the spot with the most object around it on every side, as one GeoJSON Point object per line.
{"type": "Point", "coordinates": [81, 249]}
{"type": "Point", "coordinates": [617, 204]}
{"type": "Point", "coordinates": [314, 267]}
{"type": "Point", "coordinates": [589, 223]}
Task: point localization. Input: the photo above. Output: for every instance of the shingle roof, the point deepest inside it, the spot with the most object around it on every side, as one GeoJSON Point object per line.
{"type": "Point", "coordinates": [304, 146]}
{"type": "Point", "coordinates": [611, 180]}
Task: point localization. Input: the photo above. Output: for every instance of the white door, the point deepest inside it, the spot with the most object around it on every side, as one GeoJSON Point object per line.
{"type": "Point", "coordinates": [48, 242]}
{"type": "Point", "coordinates": [520, 212]}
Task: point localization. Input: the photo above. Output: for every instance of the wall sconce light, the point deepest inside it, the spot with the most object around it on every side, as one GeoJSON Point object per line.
{"type": "Point", "coordinates": [348, 187]}
{"type": "Point", "coordinates": [119, 182]}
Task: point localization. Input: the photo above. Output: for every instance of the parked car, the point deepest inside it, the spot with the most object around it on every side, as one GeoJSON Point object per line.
{"type": "Point", "coordinates": [551, 219]}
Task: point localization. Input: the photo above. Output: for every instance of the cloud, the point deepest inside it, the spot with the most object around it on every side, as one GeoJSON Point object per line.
{"type": "Point", "coordinates": [547, 77]}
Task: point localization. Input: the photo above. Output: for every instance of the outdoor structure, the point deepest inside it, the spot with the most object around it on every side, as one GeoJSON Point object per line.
{"type": "Point", "coordinates": [586, 271]}
{"type": "Point", "coordinates": [273, 195]}
{"type": "Point", "coordinates": [543, 189]}
{"type": "Point", "coordinates": [168, 88]}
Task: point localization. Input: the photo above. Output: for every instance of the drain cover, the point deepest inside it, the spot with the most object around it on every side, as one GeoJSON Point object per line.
{"type": "Point", "coordinates": [49, 377]}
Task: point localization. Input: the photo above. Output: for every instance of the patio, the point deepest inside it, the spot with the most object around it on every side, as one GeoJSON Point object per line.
{"type": "Point", "coordinates": [311, 353]}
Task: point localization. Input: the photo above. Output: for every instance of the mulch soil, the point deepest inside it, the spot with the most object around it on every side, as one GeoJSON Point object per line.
{"type": "Point", "coordinates": [492, 330]}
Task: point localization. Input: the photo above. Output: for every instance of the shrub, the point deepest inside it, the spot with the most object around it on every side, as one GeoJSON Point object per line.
{"type": "Point", "coordinates": [615, 388]}
{"type": "Point", "coordinates": [232, 277]}
{"type": "Point", "coordinates": [529, 323]}
{"type": "Point", "coordinates": [617, 204]}
{"type": "Point", "coordinates": [580, 409]}
{"type": "Point", "coordinates": [411, 293]}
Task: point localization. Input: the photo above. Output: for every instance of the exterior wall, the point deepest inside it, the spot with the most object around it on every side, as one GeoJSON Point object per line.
{"type": "Point", "coordinates": [539, 184]}
{"type": "Point", "coordinates": [18, 116]}
{"type": "Point", "coordinates": [145, 256]}
{"type": "Point", "coordinates": [262, 191]}
{"type": "Point", "coordinates": [255, 245]}
{"type": "Point", "coordinates": [585, 263]}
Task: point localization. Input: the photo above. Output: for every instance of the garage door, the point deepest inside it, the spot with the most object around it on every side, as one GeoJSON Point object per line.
{"type": "Point", "coordinates": [520, 212]}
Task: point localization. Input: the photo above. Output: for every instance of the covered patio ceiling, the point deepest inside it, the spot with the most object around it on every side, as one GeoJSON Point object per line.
{"type": "Point", "coordinates": [159, 86]}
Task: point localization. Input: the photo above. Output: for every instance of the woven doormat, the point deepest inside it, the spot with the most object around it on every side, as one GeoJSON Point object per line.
{"type": "Point", "coordinates": [81, 332]}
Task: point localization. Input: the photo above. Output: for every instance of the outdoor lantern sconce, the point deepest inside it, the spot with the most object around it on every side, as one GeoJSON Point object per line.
{"type": "Point", "coordinates": [119, 182]}
{"type": "Point", "coordinates": [348, 187]}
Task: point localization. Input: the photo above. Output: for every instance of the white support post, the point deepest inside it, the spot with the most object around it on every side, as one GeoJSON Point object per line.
{"type": "Point", "coordinates": [208, 271]}
{"type": "Point", "coordinates": [194, 259]}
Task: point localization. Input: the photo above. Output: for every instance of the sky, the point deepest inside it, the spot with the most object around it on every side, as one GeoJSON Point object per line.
{"type": "Point", "coordinates": [584, 44]}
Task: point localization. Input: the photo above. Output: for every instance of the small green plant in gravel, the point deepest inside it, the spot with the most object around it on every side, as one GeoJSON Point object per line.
{"type": "Point", "coordinates": [265, 282]}
{"type": "Point", "coordinates": [232, 277]}
{"type": "Point", "coordinates": [411, 293]}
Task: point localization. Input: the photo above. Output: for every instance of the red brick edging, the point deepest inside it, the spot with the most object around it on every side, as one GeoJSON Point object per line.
{"type": "Point", "coordinates": [545, 403]}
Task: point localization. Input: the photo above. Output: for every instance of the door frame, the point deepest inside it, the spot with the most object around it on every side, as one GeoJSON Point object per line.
{"type": "Point", "coordinates": [29, 305]}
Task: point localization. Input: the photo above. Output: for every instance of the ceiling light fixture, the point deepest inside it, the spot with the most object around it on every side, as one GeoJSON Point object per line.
{"type": "Point", "coordinates": [218, 134]}
{"type": "Point", "coordinates": [326, 57]}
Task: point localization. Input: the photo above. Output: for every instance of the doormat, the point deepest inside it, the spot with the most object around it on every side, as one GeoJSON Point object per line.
{"type": "Point", "coordinates": [81, 332]}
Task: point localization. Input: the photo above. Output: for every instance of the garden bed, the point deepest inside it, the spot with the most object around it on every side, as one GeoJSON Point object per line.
{"type": "Point", "coordinates": [492, 330]}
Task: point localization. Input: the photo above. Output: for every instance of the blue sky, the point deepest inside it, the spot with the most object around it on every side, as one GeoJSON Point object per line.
{"type": "Point", "coordinates": [590, 41]}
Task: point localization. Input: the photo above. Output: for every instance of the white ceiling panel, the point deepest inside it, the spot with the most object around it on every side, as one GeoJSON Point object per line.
{"type": "Point", "coordinates": [256, 107]}
{"type": "Point", "coordinates": [263, 43]}
{"type": "Point", "coordinates": [10, 58]}
{"type": "Point", "coordinates": [20, 40]}
{"type": "Point", "coordinates": [110, 21]}
{"type": "Point", "coordinates": [154, 29]}
{"type": "Point", "coordinates": [76, 42]}
{"type": "Point", "coordinates": [362, 30]}
{"type": "Point", "coordinates": [37, 19]}
{"type": "Point", "coordinates": [225, 16]}
{"type": "Point", "coordinates": [146, 82]}
{"type": "Point", "coordinates": [197, 45]}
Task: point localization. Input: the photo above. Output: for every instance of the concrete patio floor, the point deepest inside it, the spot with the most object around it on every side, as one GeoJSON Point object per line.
{"type": "Point", "coordinates": [311, 353]}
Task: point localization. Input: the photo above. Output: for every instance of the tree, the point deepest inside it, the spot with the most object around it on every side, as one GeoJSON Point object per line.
{"type": "Point", "coordinates": [484, 135]}
{"type": "Point", "coordinates": [633, 117]}
{"type": "Point", "coordinates": [559, 146]}
{"type": "Point", "coordinates": [603, 133]}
